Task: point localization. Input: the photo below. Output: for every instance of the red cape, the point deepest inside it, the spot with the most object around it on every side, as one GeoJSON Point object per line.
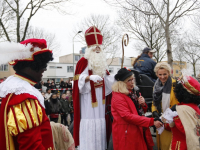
{"type": "Point", "coordinates": [80, 67]}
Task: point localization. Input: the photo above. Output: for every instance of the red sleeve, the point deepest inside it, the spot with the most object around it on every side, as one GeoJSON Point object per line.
{"type": "Point", "coordinates": [167, 127]}
{"type": "Point", "coordinates": [178, 124]}
{"type": "Point", "coordinates": [145, 107]}
{"type": "Point", "coordinates": [151, 122]}
{"type": "Point", "coordinates": [30, 139]}
{"type": "Point", "coordinates": [123, 109]}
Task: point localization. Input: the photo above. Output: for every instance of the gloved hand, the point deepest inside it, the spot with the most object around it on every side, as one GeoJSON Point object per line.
{"type": "Point", "coordinates": [155, 114]}
{"type": "Point", "coordinates": [95, 78]}
{"type": "Point", "coordinates": [173, 108]}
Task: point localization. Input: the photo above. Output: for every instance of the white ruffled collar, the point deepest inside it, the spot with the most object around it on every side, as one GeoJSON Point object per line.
{"type": "Point", "coordinates": [17, 85]}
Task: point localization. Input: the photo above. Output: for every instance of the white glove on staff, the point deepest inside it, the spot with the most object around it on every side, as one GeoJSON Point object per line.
{"type": "Point", "coordinates": [95, 78]}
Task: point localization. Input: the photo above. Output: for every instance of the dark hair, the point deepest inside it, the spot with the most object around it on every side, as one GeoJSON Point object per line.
{"type": "Point", "coordinates": [138, 58]}
{"type": "Point", "coordinates": [40, 62]}
{"type": "Point", "coordinates": [52, 95]}
{"type": "Point", "coordinates": [47, 89]}
{"type": "Point", "coordinates": [184, 96]}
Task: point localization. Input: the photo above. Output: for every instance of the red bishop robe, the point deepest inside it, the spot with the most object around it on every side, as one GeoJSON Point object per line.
{"type": "Point", "coordinates": [80, 67]}
{"type": "Point", "coordinates": [24, 123]}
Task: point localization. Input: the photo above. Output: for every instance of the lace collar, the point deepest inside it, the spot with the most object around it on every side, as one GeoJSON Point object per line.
{"type": "Point", "coordinates": [18, 84]}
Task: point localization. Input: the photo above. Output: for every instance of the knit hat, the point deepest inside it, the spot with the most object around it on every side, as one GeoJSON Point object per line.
{"type": "Point", "coordinates": [123, 74]}
{"type": "Point", "coordinates": [93, 37]}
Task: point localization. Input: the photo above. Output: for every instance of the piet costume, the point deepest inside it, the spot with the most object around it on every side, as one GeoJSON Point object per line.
{"type": "Point", "coordinates": [89, 100]}
{"type": "Point", "coordinates": [24, 124]}
{"type": "Point", "coordinates": [186, 125]}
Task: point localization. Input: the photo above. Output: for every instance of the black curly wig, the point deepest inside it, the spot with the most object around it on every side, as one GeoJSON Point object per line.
{"type": "Point", "coordinates": [184, 96]}
{"type": "Point", "coordinates": [40, 62]}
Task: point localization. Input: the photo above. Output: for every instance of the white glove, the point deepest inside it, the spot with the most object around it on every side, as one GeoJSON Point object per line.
{"type": "Point", "coordinates": [95, 78]}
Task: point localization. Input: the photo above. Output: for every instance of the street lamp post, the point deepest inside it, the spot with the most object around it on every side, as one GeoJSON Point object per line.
{"type": "Point", "coordinates": [73, 49]}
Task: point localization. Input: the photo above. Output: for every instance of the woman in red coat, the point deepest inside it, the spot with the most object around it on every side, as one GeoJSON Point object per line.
{"type": "Point", "coordinates": [127, 108]}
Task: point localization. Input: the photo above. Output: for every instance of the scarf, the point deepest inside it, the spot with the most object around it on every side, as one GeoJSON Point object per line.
{"type": "Point", "coordinates": [162, 93]}
{"type": "Point", "coordinates": [134, 98]}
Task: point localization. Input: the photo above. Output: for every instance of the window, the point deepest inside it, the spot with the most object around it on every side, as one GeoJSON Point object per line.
{"type": "Point", "coordinates": [77, 57]}
{"type": "Point", "coordinates": [4, 67]}
{"type": "Point", "coordinates": [176, 71]}
{"type": "Point", "coordinates": [70, 69]}
{"type": "Point", "coordinates": [111, 70]}
{"type": "Point", "coordinates": [52, 67]}
{"type": "Point", "coordinates": [55, 67]}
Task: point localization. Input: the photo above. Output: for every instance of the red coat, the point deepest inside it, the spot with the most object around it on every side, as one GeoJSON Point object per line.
{"type": "Point", "coordinates": [127, 127]}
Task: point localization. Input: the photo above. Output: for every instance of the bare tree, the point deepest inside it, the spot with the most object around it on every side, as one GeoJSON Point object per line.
{"type": "Point", "coordinates": [111, 34]}
{"type": "Point", "coordinates": [146, 29]}
{"type": "Point", "coordinates": [49, 37]}
{"type": "Point", "coordinates": [17, 14]}
{"type": "Point", "coordinates": [6, 27]}
{"type": "Point", "coordinates": [169, 12]}
{"type": "Point", "coordinates": [188, 50]}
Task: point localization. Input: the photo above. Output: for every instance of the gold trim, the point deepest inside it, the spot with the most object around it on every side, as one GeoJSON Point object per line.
{"type": "Point", "coordinates": [39, 112]}
{"type": "Point", "coordinates": [11, 62]}
{"type": "Point", "coordinates": [92, 33]}
{"type": "Point", "coordinates": [25, 79]}
{"type": "Point", "coordinates": [28, 104]}
{"type": "Point", "coordinates": [103, 101]}
{"type": "Point", "coordinates": [12, 127]}
{"type": "Point", "coordinates": [30, 58]}
{"type": "Point", "coordinates": [178, 143]}
{"type": "Point", "coordinates": [8, 136]}
{"type": "Point", "coordinates": [95, 104]}
{"type": "Point", "coordinates": [30, 125]}
{"type": "Point", "coordinates": [34, 112]}
{"type": "Point", "coordinates": [95, 35]}
{"type": "Point", "coordinates": [76, 77]}
{"type": "Point", "coordinates": [191, 88]}
{"type": "Point", "coordinates": [98, 83]}
{"type": "Point", "coordinates": [177, 117]}
{"type": "Point", "coordinates": [21, 121]}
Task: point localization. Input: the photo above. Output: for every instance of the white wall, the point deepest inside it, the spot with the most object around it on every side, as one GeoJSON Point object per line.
{"type": "Point", "coordinates": [60, 71]}
{"type": "Point", "coordinates": [57, 72]}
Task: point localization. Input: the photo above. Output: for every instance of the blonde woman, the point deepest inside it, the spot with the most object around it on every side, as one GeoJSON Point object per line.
{"type": "Point", "coordinates": [163, 98]}
{"type": "Point", "coordinates": [129, 125]}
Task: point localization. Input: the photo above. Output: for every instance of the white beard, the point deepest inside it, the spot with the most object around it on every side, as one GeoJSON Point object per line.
{"type": "Point", "coordinates": [96, 61]}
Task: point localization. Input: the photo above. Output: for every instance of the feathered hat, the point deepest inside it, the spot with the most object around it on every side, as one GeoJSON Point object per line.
{"type": "Point", "coordinates": [93, 37]}
{"type": "Point", "coordinates": [25, 51]}
{"type": "Point", "coordinates": [190, 84]}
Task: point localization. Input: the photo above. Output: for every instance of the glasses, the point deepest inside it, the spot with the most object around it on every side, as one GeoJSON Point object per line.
{"type": "Point", "coordinates": [131, 80]}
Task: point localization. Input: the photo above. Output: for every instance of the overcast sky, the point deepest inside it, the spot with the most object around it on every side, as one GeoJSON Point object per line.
{"type": "Point", "coordinates": [63, 25]}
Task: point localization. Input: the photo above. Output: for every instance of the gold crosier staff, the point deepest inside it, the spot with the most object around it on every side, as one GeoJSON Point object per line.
{"type": "Point", "coordinates": [124, 42]}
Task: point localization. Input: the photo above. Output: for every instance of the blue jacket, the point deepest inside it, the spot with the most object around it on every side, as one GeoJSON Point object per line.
{"type": "Point", "coordinates": [145, 65]}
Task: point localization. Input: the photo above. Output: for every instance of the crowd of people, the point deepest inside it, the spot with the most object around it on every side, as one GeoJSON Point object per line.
{"type": "Point", "coordinates": [59, 104]}
{"type": "Point", "coordinates": [50, 84]}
